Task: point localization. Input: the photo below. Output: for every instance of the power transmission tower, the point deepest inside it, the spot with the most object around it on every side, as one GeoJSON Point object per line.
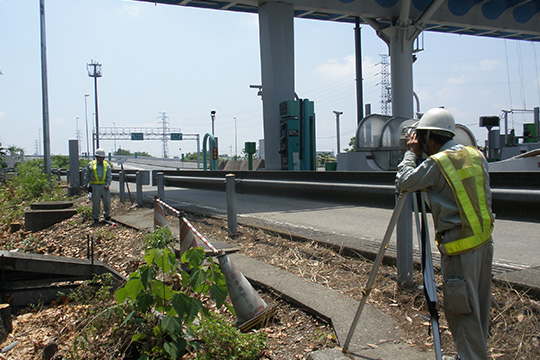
{"type": "Point", "coordinates": [165, 127]}
{"type": "Point", "coordinates": [386, 91]}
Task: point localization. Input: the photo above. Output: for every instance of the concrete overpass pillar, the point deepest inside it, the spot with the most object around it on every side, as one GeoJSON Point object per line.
{"type": "Point", "coordinates": [276, 31]}
{"type": "Point", "coordinates": [400, 40]}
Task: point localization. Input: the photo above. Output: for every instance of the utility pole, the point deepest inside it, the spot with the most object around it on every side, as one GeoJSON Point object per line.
{"type": "Point", "coordinates": [386, 96]}
{"type": "Point", "coordinates": [86, 118]}
{"type": "Point", "coordinates": [78, 134]}
{"type": "Point", "coordinates": [337, 129]}
{"type": "Point", "coordinates": [165, 132]}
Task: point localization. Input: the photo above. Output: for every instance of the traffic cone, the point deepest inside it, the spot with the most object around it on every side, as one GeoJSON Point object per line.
{"type": "Point", "coordinates": [250, 308]}
{"type": "Point", "coordinates": [188, 239]}
{"type": "Point", "coordinates": [159, 216]}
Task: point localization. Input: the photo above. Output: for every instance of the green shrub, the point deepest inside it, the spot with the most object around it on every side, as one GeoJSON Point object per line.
{"type": "Point", "coordinates": [222, 340]}
{"type": "Point", "coordinates": [161, 238]}
{"type": "Point", "coordinates": [86, 212]}
{"type": "Point", "coordinates": [30, 184]}
{"type": "Point", "coordinates": [149, 290]}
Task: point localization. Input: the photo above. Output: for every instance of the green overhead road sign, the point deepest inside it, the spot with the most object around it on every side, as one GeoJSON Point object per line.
{"type": "Point", "coordinates": [137, 136]}
{"type": "Point", "coordinates": [176, 136]}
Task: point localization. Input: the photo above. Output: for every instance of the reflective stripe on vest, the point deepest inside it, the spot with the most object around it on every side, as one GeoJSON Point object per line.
{"type": "Point", "coordinates": [463, 169]}
{"type": "Point", "coordinates": [97, 180]}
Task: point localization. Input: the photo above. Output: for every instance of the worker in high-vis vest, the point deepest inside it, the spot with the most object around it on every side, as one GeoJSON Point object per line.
{"type": "Point", "coordinates": [98, 181]}
{"type": "Point", "coordinates": [456, 181]}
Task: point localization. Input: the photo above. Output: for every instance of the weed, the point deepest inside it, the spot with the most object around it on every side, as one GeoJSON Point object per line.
{"type": "Point", "coordinates": [104, 234]}
{"type": "Point", "coordinates": [99, 288]}
{"type": "Point", "coordinates": [161, 238]}
{"type": "Point", "coordinates": [86, 212]}
{"type": "Point", "coordinates": [30, 242]}
{"type": "Point", "coordinates": [223, 341]}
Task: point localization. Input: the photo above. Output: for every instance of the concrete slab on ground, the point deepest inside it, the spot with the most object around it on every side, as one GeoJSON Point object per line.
{"type": "Point", "coordinates": [376, 336]}
{"type": "Point", "coordinates": [526, 280]}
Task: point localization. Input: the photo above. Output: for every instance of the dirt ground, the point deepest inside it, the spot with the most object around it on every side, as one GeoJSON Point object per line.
{"type": "Point", "coordinates": [515, 328]}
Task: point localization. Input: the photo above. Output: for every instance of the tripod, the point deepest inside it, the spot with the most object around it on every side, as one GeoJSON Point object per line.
{"type": "Point", "coordinates": [427, 266]}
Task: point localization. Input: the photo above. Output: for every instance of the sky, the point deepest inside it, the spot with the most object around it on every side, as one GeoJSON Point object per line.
{"type": "Point", "coordinates": [185, 62]}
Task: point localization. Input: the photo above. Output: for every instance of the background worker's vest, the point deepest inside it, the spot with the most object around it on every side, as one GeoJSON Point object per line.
{"type": "Point", "coordinates": [464, 171]}
{"type": "Point", "coordinates": [97, 180]}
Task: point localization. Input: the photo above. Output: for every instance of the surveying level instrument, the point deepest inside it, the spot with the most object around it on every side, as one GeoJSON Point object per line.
{"type": "Point", "coordinates": [427, 266]}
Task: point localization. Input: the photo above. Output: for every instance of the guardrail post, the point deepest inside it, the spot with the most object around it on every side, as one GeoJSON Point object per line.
{"type": "Point", "coordinates": [161, 185]}
{"type": "Point", "coordinates": [138, 181]}
{"type": "Point", "coordinates": [230, 180]}
{"type": "Point", "coordinates": [121, 185]}
{"type": "Point", "coordinates": [404, 259]}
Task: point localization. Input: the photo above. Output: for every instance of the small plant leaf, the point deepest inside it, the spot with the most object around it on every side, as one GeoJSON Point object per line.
{"type": "Point", "coordinates": [193, 256]}
{"type": "Point", "coordinates": [218, 294]}
{"type": "Point", "coordinates": [133, 287]}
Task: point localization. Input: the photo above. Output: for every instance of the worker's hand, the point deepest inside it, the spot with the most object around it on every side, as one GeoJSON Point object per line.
{"type": "Point", "coordinates": [107, 187]}
{"type": "Point", "coordinates": [413, 144]}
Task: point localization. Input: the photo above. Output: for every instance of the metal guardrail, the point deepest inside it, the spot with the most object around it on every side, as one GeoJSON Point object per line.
{"type": "Point", "coordinates": [514, 195]}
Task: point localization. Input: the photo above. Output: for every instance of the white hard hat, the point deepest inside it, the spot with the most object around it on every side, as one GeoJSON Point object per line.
{"type": "Point", "coordinates": [438, 120]}
{"type": "Point", "coordinates": [100, 152]}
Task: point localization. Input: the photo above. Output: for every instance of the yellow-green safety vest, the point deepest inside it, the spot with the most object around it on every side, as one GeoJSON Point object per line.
{"type": "Point", "coordinates": [97, 180]}
{"type": "Point", "coordinates": [464, 171]}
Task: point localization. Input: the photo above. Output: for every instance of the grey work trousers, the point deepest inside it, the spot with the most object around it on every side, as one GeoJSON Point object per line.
{"type": "Point", "coordinates": [99, 193]}
{"type": "Point", "coordinates": [467, 299]}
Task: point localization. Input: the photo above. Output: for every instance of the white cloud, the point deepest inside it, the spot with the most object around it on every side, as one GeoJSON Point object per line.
{"type": "Point", "coordinates": [489, 65]}
{"type": "Point", "coordinates": [454, 81]}
{"type": "Point", "coordinates": [129, 10]}
{"type": "Point", "coordinates": [335, 69]}
{"type": "Point", "coordinates": [448, 95]}
{"type": "Point", "coordinates": [58, 121]}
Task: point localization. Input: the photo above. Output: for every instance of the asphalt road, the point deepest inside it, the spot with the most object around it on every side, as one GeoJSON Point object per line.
{"type": "Point", "coordinates": [516, 243]}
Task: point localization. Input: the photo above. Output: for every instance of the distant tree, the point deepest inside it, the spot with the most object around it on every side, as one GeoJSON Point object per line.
{"type": "Point", "coordinates": [3, 154]}
{"type": "Point", "coordinates": [190, 157]}
{"type": "Point", "coordinates": [59, 161]}
{"type": "Point", "coordinates": [15, 151]}
{"type": "Point", "coordinates": [352, 144]}
{"type": "Point", "coordinates": [143, 153]}
{"type": "Point", "coordinates": [123, 152]}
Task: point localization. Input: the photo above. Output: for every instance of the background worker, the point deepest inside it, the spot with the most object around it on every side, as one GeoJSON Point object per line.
{"type": "Point", "coordinates": [98, 181]}
{"type": "Point", "coordinates": [456, 181]}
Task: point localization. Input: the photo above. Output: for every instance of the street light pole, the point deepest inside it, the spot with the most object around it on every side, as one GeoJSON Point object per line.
{"type": "Point", "coordinates": [44, 93]}
{"type": "Point", "coordinates": [86, 119]}
{"type": "Point", "coordinates": [213, 116]}
{"type": "Point", "coordinates": [235, 141]}
{"type": "Point", "coordinates": [337, 128]}
{"type": "Point", "coordinates": [94, 70]}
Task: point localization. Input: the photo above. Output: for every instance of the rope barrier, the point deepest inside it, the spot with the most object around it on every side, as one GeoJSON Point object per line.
{"type": "Point", "coordinates": [183, 218]}
{"type": "Point", "coordinates": [214, 250]}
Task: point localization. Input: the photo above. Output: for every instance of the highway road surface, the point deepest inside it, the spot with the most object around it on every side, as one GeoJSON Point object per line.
{"type": "Point", "coordinates": [516, 243]}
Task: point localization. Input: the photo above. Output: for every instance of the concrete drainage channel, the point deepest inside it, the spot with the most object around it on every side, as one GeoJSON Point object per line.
{"type": "Point", "coordinates": [34, 278]}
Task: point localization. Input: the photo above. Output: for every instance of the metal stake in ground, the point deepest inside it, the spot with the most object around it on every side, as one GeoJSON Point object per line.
{"type": "Point", "coordinates": [378, 260]}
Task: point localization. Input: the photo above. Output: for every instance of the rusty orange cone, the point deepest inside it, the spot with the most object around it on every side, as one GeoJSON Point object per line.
{"type": "Point", "coordinates": [160, 220]}
{"type": "Point", "coordinates": [188, 239]}
{"type": "Point", "coordinates": [250, 308]}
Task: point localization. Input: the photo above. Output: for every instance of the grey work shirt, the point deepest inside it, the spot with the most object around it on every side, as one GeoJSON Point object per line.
{"type": "Point", "coordinates": [428, 176]}
{"type": "Point", "coordinates": [90, 173]}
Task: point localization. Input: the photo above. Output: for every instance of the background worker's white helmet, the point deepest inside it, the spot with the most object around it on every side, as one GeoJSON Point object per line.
{"type": "Point", "coordinates": [100, 152]}
{"type": "Point", "coordinates": [438, 120]}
